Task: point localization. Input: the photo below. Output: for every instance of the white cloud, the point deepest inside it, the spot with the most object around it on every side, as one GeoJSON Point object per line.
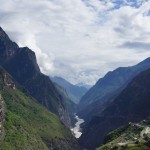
{"type": "Point", "coordinates": [79, 40]}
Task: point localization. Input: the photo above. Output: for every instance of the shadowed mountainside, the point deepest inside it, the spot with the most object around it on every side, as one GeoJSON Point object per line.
{"type": "Point", "coordinates": [108, 88]}
{"type": "Point", "coordinates": [131, 105]}
{"type": "Point", "coordinates": [21, 63]}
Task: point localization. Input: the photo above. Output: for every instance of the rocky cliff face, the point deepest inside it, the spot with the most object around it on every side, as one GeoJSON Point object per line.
{"type": "Point", "coordinates": [71, 106]}
{"type": "Point", "coordinates": [2, 117]}
{"type": "Point", "coordinates": [131, 105]}
{"type": "Point", "coordinates": [21, 63]}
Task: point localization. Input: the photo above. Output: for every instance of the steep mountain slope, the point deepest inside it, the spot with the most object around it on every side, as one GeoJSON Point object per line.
{"type": "Point", "coordinates": [22, 65]}
{"type": "Point", "coordinates": [132, 104]}
{"type": "Point", "coordinates": [71, 106]}
{"type": "Point", "coordinates": [132, 137]}
{"type": "Point", "coordinates": [2, 118]}
{"type": "Point", "coordinates": [96, 108]}
{"type": "Point", "coordinates": [107, 88]}
{"type": "Point", "coordinates": [27, 124]}
{"type": "Point", "coordinates": [74, 92]}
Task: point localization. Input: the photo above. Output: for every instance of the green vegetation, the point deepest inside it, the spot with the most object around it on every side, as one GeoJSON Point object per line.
{"type": "Point", "coordinates": [29, 125]}
{"type": "Point", "coordinates": [130, 137]}
{"type": "Point", "coordinates": [114, 134]}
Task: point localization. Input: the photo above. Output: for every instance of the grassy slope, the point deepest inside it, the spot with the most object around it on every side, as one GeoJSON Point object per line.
{"type": "Point", "coordinates": [28, 125]}
{"type": "Point", "coordinates": [126, 135]}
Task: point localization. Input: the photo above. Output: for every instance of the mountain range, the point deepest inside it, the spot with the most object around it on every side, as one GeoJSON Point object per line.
{"type": "Point", "coordinates": [36, 111]}
{"type": "Point", "coordinates": [107, 89]}
{"type": "Point", "coordinates": [131, 105]}
{"type": "Point", "coordinates": [75, 92]}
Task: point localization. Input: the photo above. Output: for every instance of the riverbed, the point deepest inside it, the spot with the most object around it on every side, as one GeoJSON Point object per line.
{"type": "Point", "coordinates": [77, 130]}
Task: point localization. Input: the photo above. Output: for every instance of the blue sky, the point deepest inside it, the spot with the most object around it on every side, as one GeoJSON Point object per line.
{"type": "Point", "coordinates": [80, 40]}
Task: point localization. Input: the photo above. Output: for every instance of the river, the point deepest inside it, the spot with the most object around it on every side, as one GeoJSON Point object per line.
{"type": "Point", "coordinates": [77, 130]}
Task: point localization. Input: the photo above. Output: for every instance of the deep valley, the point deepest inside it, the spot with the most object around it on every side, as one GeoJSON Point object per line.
{"type": "Point", "coordinates": [52, 100]}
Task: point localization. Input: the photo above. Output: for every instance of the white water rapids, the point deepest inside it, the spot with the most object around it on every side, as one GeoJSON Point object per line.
{"type": "Point", "coordinates": [77, 130]}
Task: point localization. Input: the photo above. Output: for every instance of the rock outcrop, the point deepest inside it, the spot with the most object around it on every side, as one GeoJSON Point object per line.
{"type": "Point", "coordinates": [22, 65]}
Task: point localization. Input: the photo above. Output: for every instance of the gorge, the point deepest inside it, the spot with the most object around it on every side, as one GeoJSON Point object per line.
{"type": "Point", "coordinates": [44, 112]}
{"type": "Point", "coordinates": [76, 129]}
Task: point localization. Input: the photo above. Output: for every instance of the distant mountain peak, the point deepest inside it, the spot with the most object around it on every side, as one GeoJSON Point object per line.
{"type": "Point", "coordinates": [81, 84]}
{"type": "Point", "coordinates": [75, 92]}
{"type": "Point", "coordinates": [113, 81]}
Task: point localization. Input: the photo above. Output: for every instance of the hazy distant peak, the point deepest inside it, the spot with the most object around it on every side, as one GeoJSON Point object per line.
{"type": "Point", "coordinates": [87, 86]}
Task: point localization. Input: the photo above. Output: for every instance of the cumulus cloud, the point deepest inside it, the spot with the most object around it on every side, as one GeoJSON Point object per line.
{"type": "Point", "coordinates": [80, 39]}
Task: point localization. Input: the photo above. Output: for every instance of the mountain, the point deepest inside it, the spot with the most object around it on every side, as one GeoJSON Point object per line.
{"type": "Point", "coordinates": [87, 86]}
{"type": "Point", "coordinates": [75, 92]}
{"type": "Point", "coordinates": [70, 105]}
{"type": "Point", "coordinates": [134, 136]}
{"type": "Point", "coordinates": [107, 88]}
{"type": "Point", "coordinates": [27, 125]}
{"type": "Point", "coordinates": [131, 105]}
{"type": "Point", "coordinates": [21, 63]}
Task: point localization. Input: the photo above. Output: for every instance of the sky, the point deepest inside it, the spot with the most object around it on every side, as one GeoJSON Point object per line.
{"type": "Point", "coordinates": [80, 40]}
